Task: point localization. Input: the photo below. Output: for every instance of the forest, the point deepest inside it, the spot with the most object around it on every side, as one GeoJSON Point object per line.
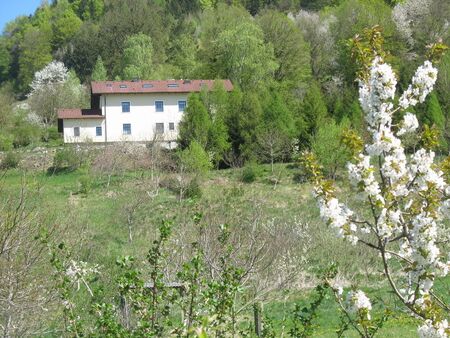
{"type": "Point", "coordinates": [230, 234]}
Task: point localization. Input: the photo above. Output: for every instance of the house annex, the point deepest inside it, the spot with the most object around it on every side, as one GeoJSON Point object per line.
{"type": "Point", "coordinates": [131, 111]}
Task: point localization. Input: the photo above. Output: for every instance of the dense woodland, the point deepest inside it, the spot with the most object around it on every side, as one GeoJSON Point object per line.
{"type": "Point", "coordinates": [290, 62]}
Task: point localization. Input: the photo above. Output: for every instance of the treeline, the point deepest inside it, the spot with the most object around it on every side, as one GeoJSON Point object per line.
{"type": "Point", "coordinates": [288, 59]}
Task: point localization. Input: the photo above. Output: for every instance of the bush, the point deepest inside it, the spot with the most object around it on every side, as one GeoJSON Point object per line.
{"type": "Point", "coordinates": [328, 148]}
{"type": "Point", "coordinates": [195, 159]}
{"type": "Point", "coordinates": [250, 173]}
{"type": "Point", "coordinates": [193, 189]}
{"type": "Point", "coordinates": [25, 134]}
{"type": "Point", "coordinates": [85, 184]}
{"type": "Point", "coordinates": [50, 134]}
{"type": "Point", "coordinates": [65, 160]}
{"type": "Point", "coordinates": [11, 160]}
{"type": "Point", "coordinates": [6, 142]}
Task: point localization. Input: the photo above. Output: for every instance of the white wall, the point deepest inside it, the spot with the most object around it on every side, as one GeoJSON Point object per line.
{"type": "Point", "coordinates": [87, 130]}
{"type": "Point", "coordinates": [142, 115]}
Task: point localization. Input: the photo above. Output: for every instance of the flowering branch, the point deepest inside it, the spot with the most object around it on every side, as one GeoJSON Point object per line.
{"type": "Point", "coordinates": [406, 195]}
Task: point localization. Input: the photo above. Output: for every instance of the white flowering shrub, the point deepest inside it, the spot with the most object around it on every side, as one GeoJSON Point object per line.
{"type": "Point", "coordinates": [55, 87]}
{"type": "Point", "coordinates": [54, 72]}
{"type": "Point", "coordinates": [406, 196]}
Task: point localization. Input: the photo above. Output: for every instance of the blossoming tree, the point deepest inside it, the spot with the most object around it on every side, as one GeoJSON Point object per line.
{"type": "Point", "coordinates": [405, 195]}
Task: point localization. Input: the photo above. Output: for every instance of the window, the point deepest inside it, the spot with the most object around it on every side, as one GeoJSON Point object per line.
{"type": "Point", "coordinates": [171, 126]}
{"type": "Point", "coordinates": [181, 105]}
{"type": "Point", "coordinates": [125, 107]}
{"type": "Point", "coordinates": [98, 131]}
{"type": "Point", "coordinates": [147, 85]}
{"type": "Point", "coordinates": [123, 86]}
{"type": "Point", "coordinates": [76, 131]}
{"type": "Point", "coordinates": [109, 85]}
{"type": "Point", "coordinates": [126, 129]}
{"type": "Point", "coordinates": [159, 106]}
{"type": "Point", "coordinates": [159, 128]}
{"type": "Point", "coordinates": [172, 85]}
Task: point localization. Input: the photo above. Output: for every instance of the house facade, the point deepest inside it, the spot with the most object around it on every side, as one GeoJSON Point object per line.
{"type": "Point", "coordinates": [131, 111]}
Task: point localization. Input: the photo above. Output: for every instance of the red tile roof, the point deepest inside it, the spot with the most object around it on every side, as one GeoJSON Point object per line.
{"type": "Point", "coordinates": [80, 114]}
{"type": "Point", "coordinates": [163, 86]}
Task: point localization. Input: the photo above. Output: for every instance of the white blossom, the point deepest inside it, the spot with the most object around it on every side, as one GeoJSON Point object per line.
{"type": "Point", "coordinates": [408, 197]}
{"type": "Point", "coordinates": [433, 330]}
{"type": "Point", "coordinates": [358, 302]}
{"type": "Point", "coordinates": [422, 84]}
{"type": "Point", "coordinates": [54, 72]}
{"type": "Point", "coordinates": [409, 124]}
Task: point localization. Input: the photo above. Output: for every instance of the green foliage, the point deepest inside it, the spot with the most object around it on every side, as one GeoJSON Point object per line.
{"type": "Point", "coordinates": [241, 55]}
{"type": "Point", "coordinates": [6, 142]}
{"type": "Point", "coordinates": [137, 57]}
{"type": "Point", "coordinates": [290, 49]}
{"type": "Point", "coordinates": [65, 23]}
{"type": "Point", "coordinates": [314, 111]}
{"type": "Point", "coordinates": [25, 133]}
{"type": "Point", "coordinates": [99, 72]}
{"type": "Point", "coordinates": [250, 172]}
{"type": "Point", "coordinates": [88, 9]}
{"type": "Point", "coordinates": [195, 159]}
{"type": "Point", "coordinates": [35, 54]}
{"type": "Point", "coordinates": [328, 147]}
{"type": "Point", "coordinates": [195, 124]}
{"type": "Point", "coordinates": [193, 190]}
{"type": "Point", "coordinates": [11, 160]}
{"type": "Point", "coordinates": [304, 317]}
{"type": "Point", "coordinates": [65, 160]}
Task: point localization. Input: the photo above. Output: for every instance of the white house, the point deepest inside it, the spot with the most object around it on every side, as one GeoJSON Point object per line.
{"type": "Point", "coordinates": [131, 111]}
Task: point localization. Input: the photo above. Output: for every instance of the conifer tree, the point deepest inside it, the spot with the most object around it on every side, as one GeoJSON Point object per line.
{"type": "Point", "coordinates": [99, 71]}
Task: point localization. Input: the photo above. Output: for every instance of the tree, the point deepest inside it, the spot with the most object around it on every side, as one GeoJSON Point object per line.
{"type": "Point", "coordinates": [327, 145]}
{"type": "Point", "coordinates": [54, 87]}
{"type": "Point", "coordinates": [195, 159]}
{"type": "Point", "coordinates": [290, 49]}
{"type": "Point", "coordinates": [314, 110]}
{"type": "Point", "coordinates": [124, 18]}
{"type": "Point", "coordinates": [406, 198]}
{"type": "Point", "coordinates": [35, 54]}
{"type": "Point", "coordinates": [195, 124]}
{"type": "Point", "coordinates": [317, 31]}
{"type": "Point", "coordinates": [137, 57]}
{"type": "Point", "coordinates": [272, 145]}
{"type": "Point", "coordinates": [83, 56]}
{"type": "Point", "coordinates": [99, 72]}
{"type": "Point", "coordinates": [242, 56]}
{"type": "Point", "coordinates": [65, 23]}
{"type": "Point", "coordinates": [88, 9]}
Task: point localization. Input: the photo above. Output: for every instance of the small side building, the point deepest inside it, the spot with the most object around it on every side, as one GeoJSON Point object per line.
{"type": "Point", "coordinates": [138, 111]}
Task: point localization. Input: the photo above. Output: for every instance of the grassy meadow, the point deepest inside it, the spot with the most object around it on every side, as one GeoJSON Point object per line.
{"type": "Point", "coordinates": [95, 223]}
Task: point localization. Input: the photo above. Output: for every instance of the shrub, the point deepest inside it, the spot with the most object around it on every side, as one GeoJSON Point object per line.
{"type": "Point", "coordinates": [195, 159]}
{"type": "Point", "coordinates": [25, 134]}
{"type": "Point", "coordinates": [328, 148]}
{"type": "Point", "coordinates": [6, 142]}
{"type": "Point", "coordinates": [193, 189]}
{"type": "Point", "coordinates": [250, 173]}
{"type": "Point", "coordinates": [11, 160]}
{"type": "Point", "coordinates": [85, 184]}
{"type": "Point", "coordinates": [50, 134]}
{"type": "Point", "coordinates": [65, 159]}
